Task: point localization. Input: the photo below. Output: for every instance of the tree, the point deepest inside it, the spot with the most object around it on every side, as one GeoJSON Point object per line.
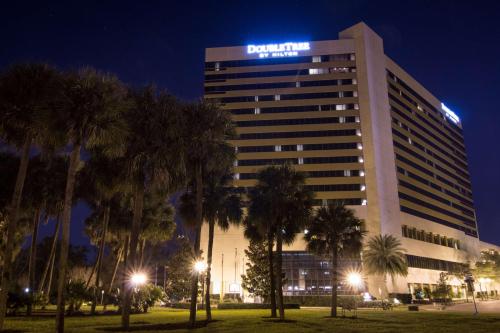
{"type": "Point", "coordinates": [256, 279]}
{"type": "Point", "coordinates": [488, 265]}
{"type": "Point", "coordinates": [90, 115]}
{"type": "Point", "coordinates": [221, 207]}
{"type": "Point", "coordinates": [280, 206]}
{"type": "Point", "coordinates": [178, 271]}
{"type": "Point", "coordinates": [152, 160]}
{"type": "Point", "coordinates": [24, 91]}
{"type": "Point", "coordinates": [384, 255]}
{"type": "Point", "coordinates": [206, 131]}
{"type": "Point", "coordinates": [334, 232]}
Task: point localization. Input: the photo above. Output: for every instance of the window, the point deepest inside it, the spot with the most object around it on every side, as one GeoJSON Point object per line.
{"type": "Point", "coordinates": [217, 66]}
{"type": "Point", "coordinates": [301, 160]}
{"type": "Point", "coordinates": [300, 147]}
{"type": "Point", "coordinates": [257, 110]}
{"type": "Point", "coordinates": [316, 59]}
{"type": "Point", "coordinates": [340, 107]}
{"type": "Point", "coordinates": [277, 148]}
{"type": "Point", "coordinates": [277, 97]}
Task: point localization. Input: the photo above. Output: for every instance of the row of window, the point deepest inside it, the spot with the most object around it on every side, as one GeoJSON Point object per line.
{"type": "Point", "coordinates": [302, 134]}
{"type": "Point", "coordinates": [461, 179]}
{"type": "Point", "coordinates": [459, 165]}
{"type": "Point", "coordinates": [303, 147]}
{"type": "Point", "coordinates": [411, 211]}
{"type": "Point", "coordinates": [291, 72]}
{"type": "Point", "coordinates": [299, 121]}
{"type": "Point", "coordinates": [458, 156]}
{"type": "Point", "coordinates": [437, 187]}
{"type": "Point", "coordinates": [434, 264]}
{"type": "Point", "coordinates": [453, 130]}
{"type": "Point", "coordinates": [335, 187]}
{"type": "Point", "coordinates": [429, 237]}
{"type": "Point", "coordinates": [286, 97]}
{"type": "Point", "coordinates": [300, 160]}
{"type": "Point", "coordinates": [220, 65]}
{"type": "Point", "coordinates": [435, 208]}
{"type": "Point", "coordinates": [311, 174]}
{"type": "Point", "coordinates": [302, 108]}
{"type": "Point", "coordinates": [346, 202]}
{"type": "Point", "coordinates": [278, 85]}
{"type": "Point", "coordinates": [462, 190]}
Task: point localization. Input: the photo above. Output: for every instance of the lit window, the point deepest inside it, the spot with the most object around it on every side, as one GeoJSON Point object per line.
{"type": "Point", "coordinates": [347, 173]}
{"type": "Point", "coordinates": [277, 148]}
{"type": "Point", "coordinates": [297, 84]}
{"type": "Point", "coordinates": [358, 132]}
{"type": "Point", "coordinates": [363, 187]}
{"type": "Point", "coordinates": [235, 149]}
{"type": "Point", "coordinates": [235, 163]}
{"type": "Point", "coordinates": [341, 94]}
{"type": "Point", "coordinates": [361, 173]}
{"type": "Point", "coordinates": [236, 176]}
{"type": "Point", "coordinates": [360, 159]}
{"type": "Point", "coordinates": [313, 71]}
{"type": "Point", "coordinates": [217, 66]}
{"type": "Point", "coordinates": [316, 59]}
{"type": "Point", "coordinates": [257, 110]}
{"type": "Point", "coordinates": [356, 106]}
{"type": "Point", "coordinates": [277, 97]}
{"type": "Point", "coordinates": [356, 119]}
{"type": "Point", "coordinates": [364, 202]}
{"type": "Point", "coordinates": [352, 57]}
{"type": "Point", "coordinates": [256, 98]}
{"type": "Point", "coordinates": [301, 160]}
{"type": "Point", "coordinates": [341, 120]}
{"type": "Point", "coordinates": [355, 94]}
{"type": "Point", "coordinates": [354, 81]}
{"type": "Point", "coordinates": [340, 107]}
{"type": "Point", "coordinates": [359, 146]}
{"type": "Point", "coordinates": [300, 147]}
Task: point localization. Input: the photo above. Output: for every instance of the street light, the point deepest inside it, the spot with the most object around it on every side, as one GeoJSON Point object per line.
{"type": "Point", "coordinates": [355, 280]}
{"type": "Point", "coordinates": [138, 278]}
{"type": "Point", "coordinates": [200, 266]}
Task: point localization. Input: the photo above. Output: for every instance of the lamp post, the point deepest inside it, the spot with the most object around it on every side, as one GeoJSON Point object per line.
{"type": "Point", "coordinates": [200, 267]}
{"type": "Point", "coordinates": [355, 281]}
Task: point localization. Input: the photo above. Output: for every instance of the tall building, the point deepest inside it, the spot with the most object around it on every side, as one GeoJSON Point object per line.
{"type": "Point", "coordinates": [366, 133]}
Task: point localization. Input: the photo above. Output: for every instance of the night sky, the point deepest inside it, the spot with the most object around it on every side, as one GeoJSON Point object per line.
{"type": "Point", "coordinates": [451, 47]}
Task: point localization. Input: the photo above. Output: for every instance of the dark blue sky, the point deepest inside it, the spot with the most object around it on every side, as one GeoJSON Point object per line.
{"type": "Point", "coordinates": [451, 47]}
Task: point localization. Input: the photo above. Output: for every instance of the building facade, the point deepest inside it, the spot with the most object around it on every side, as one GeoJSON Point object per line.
{"type": "Point", "coordinates": [367, 134]}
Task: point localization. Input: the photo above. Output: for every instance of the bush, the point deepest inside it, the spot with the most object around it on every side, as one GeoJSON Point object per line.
{"type": "Point", "coordinates": [16, 300]}
{"type": "Point", "coordinates": [402, 297]}
{"type": "Point", "coordinates": [248, 306]}
{"type": "Point", "coordinates": [185, 306]}
{"type": "Point", "coordinates": [145, 297]}
{"type": "Point", "coordinates": [76, 294]}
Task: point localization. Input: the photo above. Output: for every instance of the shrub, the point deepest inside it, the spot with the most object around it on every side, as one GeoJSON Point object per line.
{"type": "Point", "coordinates": [145, 297]}
{"type": "Point", "coordinates": [76, 294]}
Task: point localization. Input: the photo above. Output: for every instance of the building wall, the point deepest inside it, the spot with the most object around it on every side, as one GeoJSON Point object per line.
{"type": "Point", "coordinates": [398, 162]}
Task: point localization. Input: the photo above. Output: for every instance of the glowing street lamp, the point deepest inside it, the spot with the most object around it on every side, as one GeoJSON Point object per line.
{"type": "Point", "coordinates": [200, 266]}
{"type": "Point", "coordinates": [138, 279]}
{"type": "Point", "coordinates": [355, 280]}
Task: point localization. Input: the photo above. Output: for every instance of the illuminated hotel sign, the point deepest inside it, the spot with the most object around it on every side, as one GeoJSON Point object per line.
{"type": "Point", "coordinates": [450, 114]}
{"type": "Point", "coordinates": [278, 50]}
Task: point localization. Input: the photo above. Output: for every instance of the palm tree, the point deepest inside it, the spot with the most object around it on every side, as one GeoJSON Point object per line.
{"type": "Point", "coordinates": [90, 115]}
{"type": "Point", "coordinates": [280, 206]}
{"type": "Point", "coordinates": [334, 232]}
{"type": "Point", "coordinates": [152, 161]}
{"type": "Point", "coordinates": [100, 181]}
{"type": "Point", "coordinates": [221, 207]}
{"type": "Point", "coordinates": [206, 131]}
{"type": "Point", "coordinates": [384, 255]}
{"type": "Point", "coordinates": [24, 90]}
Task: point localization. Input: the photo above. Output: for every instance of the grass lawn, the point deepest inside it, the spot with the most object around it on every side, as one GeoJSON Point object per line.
{"type": "Point", "coordinates": [304, 320]}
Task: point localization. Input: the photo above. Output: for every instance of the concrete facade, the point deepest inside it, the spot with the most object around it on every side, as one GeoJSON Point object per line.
{"type": "Point", "coordinates": [357, 103]}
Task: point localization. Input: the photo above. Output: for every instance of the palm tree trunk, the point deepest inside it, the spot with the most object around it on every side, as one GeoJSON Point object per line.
{"type": "Point", "coordinates": [51, 256]}
{"type": "Point", "coordinates": [94, 269]}
{"type": "Point", "coordinates": [51, 275]}
{"type": "Point", "coordinates": [32, 261]}
{"type": "Point", "coordinates": [101, 256]}
{"type": "Point", "coordinates": [279, 280]}
{"type": "Point", "coordinates": [132, 257]}
{"type": "Point", "coordinates": [11, 228]}
{"type": "Point", "coordinates": [272, 292]}
{"type": "Point", "coordinates": [333, 274]}
{"type": "Point", "coordinates": [66, 220]}
{"type": "Point", "coordinates": [143, 247]}
{"type": "Point", "coordinates": [211, 227]}
{"type": "Point", "coordinates": [196, 247]}
{"type": "Point", "coordinates": [115, 269]}
{"type": "Point", "coordinates": [113, 276]}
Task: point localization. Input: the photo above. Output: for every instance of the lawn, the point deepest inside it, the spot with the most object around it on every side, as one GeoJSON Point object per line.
{"type": "Point", "coordinates": [304, 320]}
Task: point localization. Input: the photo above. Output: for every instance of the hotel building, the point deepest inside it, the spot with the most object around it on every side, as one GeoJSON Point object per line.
{"type": "Point", "coordinates": [367, 134]}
